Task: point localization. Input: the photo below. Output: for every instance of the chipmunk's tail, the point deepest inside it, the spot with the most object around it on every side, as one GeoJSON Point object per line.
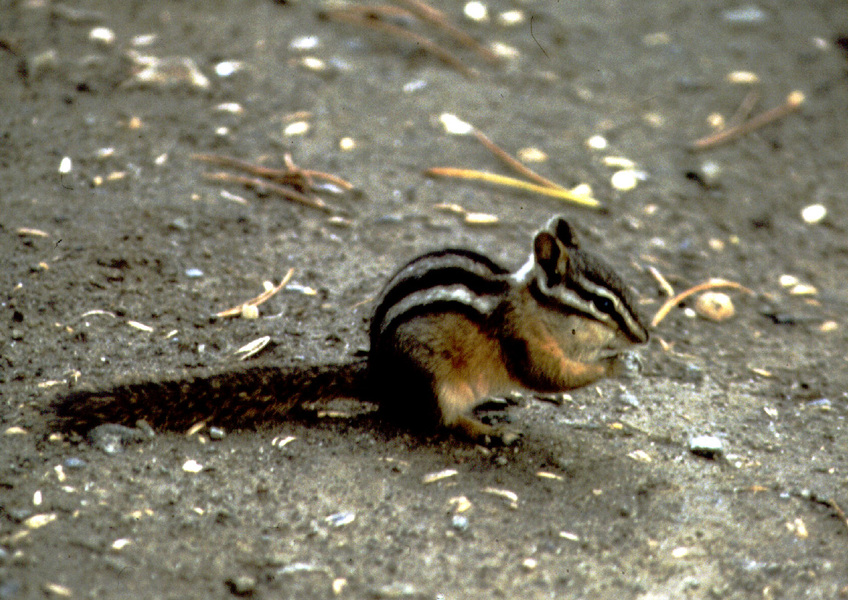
{"type": "Point", "coordinates": [234, 399]}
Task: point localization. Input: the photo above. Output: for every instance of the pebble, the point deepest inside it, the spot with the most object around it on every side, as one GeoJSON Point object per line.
{"type": "Point", "coordinates": [709, 173]}
{"type": "Point", "coordinates": [821, 403]}
{"type": "Point", "coordinates": [167, 72]}
{"type": "Point", "coordinates": [112, 438]}
{"type": "Point", "coordinates": [629, 399]}
{"type": "Point", "coordinates": [750, 14]}
{"type": "Point", "coordinates": [102, 35]}
{"type": "Point", "coordinates": [73, 462]}
{"type": "Point", "coordinates": [459, 522]}
{"type": "Point", "coordinates": [813, 213]}
{"type": "Point", "coordinates": [708, 446]}
{"type": "Point", "coordinates": [476, 11]}
{"type": "Point", "coordinates": [341, 519]}
{"type": "Point", "coordinates": [597, 142]}
{"type": "Point", "coordinates": [194, 273]}
{"type": "Point", "coordinates": [216, 433]}
{"type": "Point", "coordinates": [715, 306]}
{"type": "Point", "coordinates": [306, 42]}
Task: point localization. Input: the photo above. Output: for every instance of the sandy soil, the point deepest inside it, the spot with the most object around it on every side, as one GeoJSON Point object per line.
{"type": "Point", "coordinates": [608, 502]}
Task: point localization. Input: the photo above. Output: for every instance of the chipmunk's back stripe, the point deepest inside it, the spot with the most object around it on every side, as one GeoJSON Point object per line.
{"type": "Point", "coordinates": [442, 299]}
{"type": "Point", "coordinates": [455, 280]}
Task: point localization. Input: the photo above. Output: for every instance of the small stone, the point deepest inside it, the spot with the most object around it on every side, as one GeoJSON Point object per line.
{"type": "Point", "coordinates": [216, 433]}
{"type": "Point", "coordinates": [194, 273]}
{"type": "Point", "coordinates": [103, 35]}
{"type": "Point", "coordinates": [73, 462]}
{"type": "Point", "coordinates": [438, 475]}
{"type": "Point", "coordinates": [628, 399]}
{"type": "Point", "coordinates": [476, 11]}
{"type": "Point", "coordinates": [626, 179]}
{"type": "Point", "coordinates": [296, 128]}
{"type": "Point", "coordinates": [38, 521]}
{"type": "Point", "coordinates": [227, 68]}
{"type": "Point", "coordinates": [813, 213]}
{"type": "Point", "coordinates": [709, 172]}
{"type": "Point", "coordinates": [597, 142]}
{"type": "Point", "coordinates": [744, 15]}
{"type": "Point", "coordinates": [708, 446]}
{"type": "Point", "coordinates": [112, 438]}
{"type": "Point", "coordinates": [508, 18]}
{"type": "Point", "coordinates": [746, 77]}
{"type": "Point", "coordinates": [305, 42]}
{"type": "Point", "coordinates": [454, 125]}
{"type": "Point", "coordinates": [715, 306]}
{"type": "Point", "coordinates": [341, 519]}
{"type": "Point", "coordinates": [459, 522]}
{"type": "Point", "coordinates": [192, 466]}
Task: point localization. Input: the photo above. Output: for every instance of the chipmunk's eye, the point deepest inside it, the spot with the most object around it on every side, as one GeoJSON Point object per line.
{"type": "Point", "coordinates": [604, 305]}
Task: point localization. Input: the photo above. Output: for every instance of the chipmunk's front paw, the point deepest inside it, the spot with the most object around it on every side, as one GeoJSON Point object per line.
{"type": "Point", "coordinates": [488, 435]}
{"type": "Point", "coordinates": [502, 437]}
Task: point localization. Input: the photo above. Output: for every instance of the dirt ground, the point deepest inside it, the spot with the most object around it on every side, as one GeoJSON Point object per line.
{"type": "Point", "coordinates": [602, 498]}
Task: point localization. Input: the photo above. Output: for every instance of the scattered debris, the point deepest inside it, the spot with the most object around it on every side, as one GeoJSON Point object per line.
{"type": "Point", "coordinates": [507, 495]}
{"type": "Point", "coordinates": [341, 519]}
{"type": "Point", "coordinates": [192, 466]}
{"type": "Point", "coordinates": [793, 102]}
{"type": "Point", "coordinates": [239, 310]}
{"type": "Point", "coordinates": [581, 194]}
{"type": "Point", "coordinates": [708, 446]}
{"type": "Point", "coordinates": [439, 475]}
{"type": "Point", "coordinates": [254, 347]}
{"type": "Point", "coordinates": [707, 285]}
{"type": "Point", "coordinates": [814, 213]}
{"type": "Point", "coordinates": [30, 231]}
{"type": "Point", "coordinates": [170, 71]}
{"type": "Point", "coordinates": [715, 306]}
{"type": "Point", "coordinates": [381, 17]}
{"type": "Point", "coordinates": [292, 183]}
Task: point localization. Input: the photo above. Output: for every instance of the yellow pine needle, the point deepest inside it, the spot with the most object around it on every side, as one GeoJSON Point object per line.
{"type": "Point", "coordinates": [470, 174]}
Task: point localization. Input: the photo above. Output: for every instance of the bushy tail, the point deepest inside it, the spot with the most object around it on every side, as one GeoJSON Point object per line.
{"type": "Point", "coordinates": [234, 399]}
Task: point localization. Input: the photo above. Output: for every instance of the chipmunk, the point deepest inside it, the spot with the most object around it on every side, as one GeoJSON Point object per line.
{"type": "Point", "coordinates": [451, 329]}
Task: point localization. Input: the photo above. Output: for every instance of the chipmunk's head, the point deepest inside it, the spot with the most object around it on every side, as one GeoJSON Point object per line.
{"type": "Point", "coordinates": [572, 281]}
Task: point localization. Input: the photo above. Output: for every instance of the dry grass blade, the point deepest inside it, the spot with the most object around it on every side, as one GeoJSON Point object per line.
{"type": "Point", "coordinates": [260, 299]}
{"type": "Point", "coordinates": [278, 175]}
{"type": "Point", "coordinates": [513, 163]}
{"type": "Point", "coordinates": [370, 18]}
{"type": "Point", "coordinates": [707, 285]}
{"type": "Point", "coordinates": [437, 18]}
{"type": "Point", "coordinates": [264, 186]}
{"type": "Point", "coordinates": [793, 103]}
{"type": "Point", "coordinates": [840, 513]}
{"type": "Point", "coordinates": [309, 174]}
{"type": "Point", "coordinates": [665, 286]}
{"type": "Point", "coordinates": [745, 108]}
{"type": "Point", "coordinates": [560, 193]}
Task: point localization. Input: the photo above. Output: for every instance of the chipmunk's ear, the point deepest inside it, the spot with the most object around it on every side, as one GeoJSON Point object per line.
{"type": "Point", "coordinates": [551, 256]}
{"type": "Point", "coordinates": [563, 232]}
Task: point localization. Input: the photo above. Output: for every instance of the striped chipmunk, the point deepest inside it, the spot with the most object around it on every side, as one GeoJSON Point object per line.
{"type": "Point", "coordinates": [451, 329]}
